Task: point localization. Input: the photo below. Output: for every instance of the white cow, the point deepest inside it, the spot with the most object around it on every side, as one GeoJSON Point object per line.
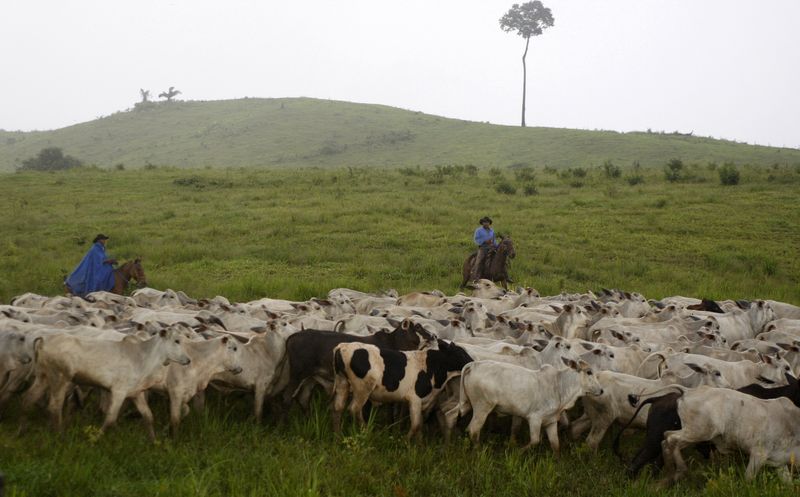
{"type": "Point", "coordinates": [540, 396]}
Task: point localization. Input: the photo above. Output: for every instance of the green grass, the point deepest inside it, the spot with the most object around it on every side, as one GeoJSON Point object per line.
{"type": "Point", "coordinates": [302, 131]}
{"type": "Point", "coordinates": [254, 232]}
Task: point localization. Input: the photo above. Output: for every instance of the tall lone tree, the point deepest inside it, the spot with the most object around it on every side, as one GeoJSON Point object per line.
{"type": "Point", "coordinates": [528, 19]}
{"type": "Point", "coordinates": [169, 94]}
{"type": "Point", "coordinates": [145, 95]}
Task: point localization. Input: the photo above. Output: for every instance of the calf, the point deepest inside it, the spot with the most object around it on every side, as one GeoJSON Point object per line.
{"type": "Point", "coordinates": [601, 411]}
{"type": "Point", "coordinates": [735, 419]}
{"type": "Point", "coordinates": [539, 396]}
{"type": "Point", "coordinates": [384, 375]}
{"type": "Point", "coordinates": [182, 383]}
{"type": "Point", "coordinates": [309, 353]}
{"type": "Point", "coordinates": [663, 417]}
{"type": "Point", "coordinates": [126, 369]}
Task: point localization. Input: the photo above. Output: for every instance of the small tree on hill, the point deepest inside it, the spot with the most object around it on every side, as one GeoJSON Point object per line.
{"type": "Point", "coordinates": [674, 170]}
{"type": "Point", "coordinates": [145, 95]}
{"type": "Point", "coordinates": [528, 19]}
{"type": "Point", "coordinates": [50, 159]}
{"type": "Point", "coordinates": [169, 94]}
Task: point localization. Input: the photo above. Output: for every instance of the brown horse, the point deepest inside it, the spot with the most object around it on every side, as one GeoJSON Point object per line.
{"type": "Point", "coordinates": [126, 272]}
{"type": "Point", "coordinates": [495, 266]}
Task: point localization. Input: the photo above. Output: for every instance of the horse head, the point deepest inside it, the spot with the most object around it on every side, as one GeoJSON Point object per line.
{"type": "Point", "coordinates": [507, 247]}
{"type": "Point", "coordinates": [133, 270]}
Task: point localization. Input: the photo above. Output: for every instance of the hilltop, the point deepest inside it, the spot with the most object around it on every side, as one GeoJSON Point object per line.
{"type": "Point", "coordinates": [311, 132]}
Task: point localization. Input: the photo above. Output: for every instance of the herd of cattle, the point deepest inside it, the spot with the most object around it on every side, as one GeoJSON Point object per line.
{"type": "Point", "coordinates": [718, 375]}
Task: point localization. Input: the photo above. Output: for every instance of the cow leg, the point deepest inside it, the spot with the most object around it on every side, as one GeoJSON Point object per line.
{"type": "Point", "coordinates": [674, 442]}
{"type": "Point", "coordinates": [341, 389]}
{"type": "Point", "coordinates": [580, 425]}
{"type": "Point", "coordinates": [535, 427]}
{"type": "Point", "coordinates": [58, 392]}
{"type": "Point", "coordinates": [757, 460]}
{"type": "Point", "coordinates": [259, 394]}
{"type": "Point", "coordinates": [175, 402]}
{"type": "Point", "coordinates": [598, 431]}
{"type": "Point", "coordinates": [140, 401]}
{"type": "Point", "coordinates": [785, 474]}
{"type": "Point", "coordinates": [114, 405]}
{"type": "Point", "coordinates": [415, 411]}
{"type": "Point", "coordinates": [552, 436]}
{"type": "Point", "coordinates": [199, 401]}
{"type": "Point", "coordinates": [479, 414]}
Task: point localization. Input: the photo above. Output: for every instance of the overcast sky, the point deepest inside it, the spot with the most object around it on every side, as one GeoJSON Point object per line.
{"type": "Point", "coordinates": [722, 68]}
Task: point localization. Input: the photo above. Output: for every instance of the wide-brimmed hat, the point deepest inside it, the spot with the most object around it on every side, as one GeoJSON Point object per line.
{"type": "Point", "coordinates": [486, 219]}
{"type": "Point", "coordinates": [99, 237]}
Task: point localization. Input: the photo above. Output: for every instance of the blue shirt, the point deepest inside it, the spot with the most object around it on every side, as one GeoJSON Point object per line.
{"type": "Point", "coordinates": [91, 275]}
{"type": "Point", "coordinates": [484, 237]}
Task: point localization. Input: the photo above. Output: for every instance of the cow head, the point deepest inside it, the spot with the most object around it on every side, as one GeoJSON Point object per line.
{"type": "Point", "coordinates": [589, 383]}
{"type": "Point", "coordinates": [172, 345]}
{"type": "Point", "coordinates": [233, 358]}
{"type": "Point", "coordinates": [772, 370]}
{"type": "Point", "coordinates": [453, 356]}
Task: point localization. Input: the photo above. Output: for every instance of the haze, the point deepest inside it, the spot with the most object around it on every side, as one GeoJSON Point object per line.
{"type": "Point", "coordinates": [727, 69]}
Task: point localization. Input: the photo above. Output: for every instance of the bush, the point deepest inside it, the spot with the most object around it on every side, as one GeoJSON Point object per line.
{"type": "Point", "coordinates": [506, 188]}
{"type": "Point", "coordinates": [530, 189]}
{"type": "Point", "coordinates": [576, 184]}
{"type": "Point", "coordinates": [635, 179]}
{"type": "Point", "coordinates": [50, 159]}
{"type": "Point", "coordinates": [673, 171]}
{"type": "Point", "coordinates": [579, 172]}
{"type": "Point", "coordinates": [524, 173]}
{"type": "Point", "coordinates": [728, 174]}
{"type": "Point", "coordinates": [611, 170]}
{"type": "Point", "coordinates": [471, 170]}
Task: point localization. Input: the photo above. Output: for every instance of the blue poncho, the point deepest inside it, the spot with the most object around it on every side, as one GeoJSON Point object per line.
{"type": "Point", "coordinates": [91, 275]}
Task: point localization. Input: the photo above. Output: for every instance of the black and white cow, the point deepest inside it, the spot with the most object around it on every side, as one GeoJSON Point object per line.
{"type": "Point", "coordinates": [384, 375]}
{"type": "Point", "coordinates": [309, 354]}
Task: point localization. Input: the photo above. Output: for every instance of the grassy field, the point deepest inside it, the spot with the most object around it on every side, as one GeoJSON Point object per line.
{"type": "Point", "coordinates": [247, 233]}
{"type": "Point", "coordinates": [310, 132]}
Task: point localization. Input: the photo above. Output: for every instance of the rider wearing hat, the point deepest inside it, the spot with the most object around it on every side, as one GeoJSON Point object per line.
{"type": "Point", "coordinates": [95, 272]}
{"type": "Point", "coordinates": [484, 239]}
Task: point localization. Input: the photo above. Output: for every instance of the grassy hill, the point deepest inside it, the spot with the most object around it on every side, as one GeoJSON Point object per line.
{"type": "Point", "coordinates": [303, 131]}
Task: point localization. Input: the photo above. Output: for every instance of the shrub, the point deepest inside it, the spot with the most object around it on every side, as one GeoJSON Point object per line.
{"type": "Point", "coordinates": [579, 172]}
{"type": "Point", "coordinates": [576, 184]}
{"type": "Point", "coordinates": [611, 170]}
{"type": "Point", "coordinates": [530, 189]}
{"type": "Point", "coordinates": [524, 174]}
{"type": "Point", "coordinates": [506, 188]}
{"type": "Point", "coordinates": [728, 174]}
{"type": "Point", "coordinates": [50, 159]}
{"type": "Point", "coordinates": [673, 171]}
{"type": "Point", "coordinates": [120, 167]}
{"type": "Point", "coordinates": [471, 170]}
{"type": "Point", "coordinates": [635, 179]}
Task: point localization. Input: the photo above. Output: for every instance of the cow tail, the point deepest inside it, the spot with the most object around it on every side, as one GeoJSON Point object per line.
{"type": "Point", "coordinates": [662, 359]}
{"type": "Point", "coordinates": [649, 400]}
{"type": "Point", "coordinates": [37, 346]}
{"type": "Point", "coordinates": [464, 405]}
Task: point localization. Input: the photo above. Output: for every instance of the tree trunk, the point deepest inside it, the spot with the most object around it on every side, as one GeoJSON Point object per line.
{"type": "Point", "coordinates": [524, 78]}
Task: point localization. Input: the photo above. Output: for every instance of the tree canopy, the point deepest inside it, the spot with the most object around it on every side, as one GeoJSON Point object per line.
{"type": "Point", "coordinates": [528, 19]}
{"type": "Point", "coordinates": [50, 159]}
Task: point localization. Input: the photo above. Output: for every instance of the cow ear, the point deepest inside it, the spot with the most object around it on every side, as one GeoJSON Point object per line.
{"type": "Point", "coordinates": [405, 325]}
{"type": "Point", "coordinates": [162, 333]}
{"type": "Point", "coordinates": [597, 352]}
{"type": "Point", "coordinates": [616, 334]}
{"type": "Point", "coordinates": [696, 368]}
{"type": "Point", "coordinates": [765, 358]}
{"type": "Point", "coordinates": [588, 346]}
{"type": "Point", "coordinates": [224, 340]}
{"type": "Point", "coordinates": [568, 308]}
{"type": "Point", "coordinates": [570, 363]}
{"type": "Point", "coordinates": [555, 308]}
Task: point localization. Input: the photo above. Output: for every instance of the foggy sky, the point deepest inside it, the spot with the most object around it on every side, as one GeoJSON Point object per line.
{"type": "Point", "coordinates": [722, 68]}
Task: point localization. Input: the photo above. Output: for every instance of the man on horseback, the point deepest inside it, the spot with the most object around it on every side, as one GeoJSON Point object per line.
{"type": "Point", "coordinates": [484, 239]}
{"type": "Point", "coordinates": [95, 272]}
